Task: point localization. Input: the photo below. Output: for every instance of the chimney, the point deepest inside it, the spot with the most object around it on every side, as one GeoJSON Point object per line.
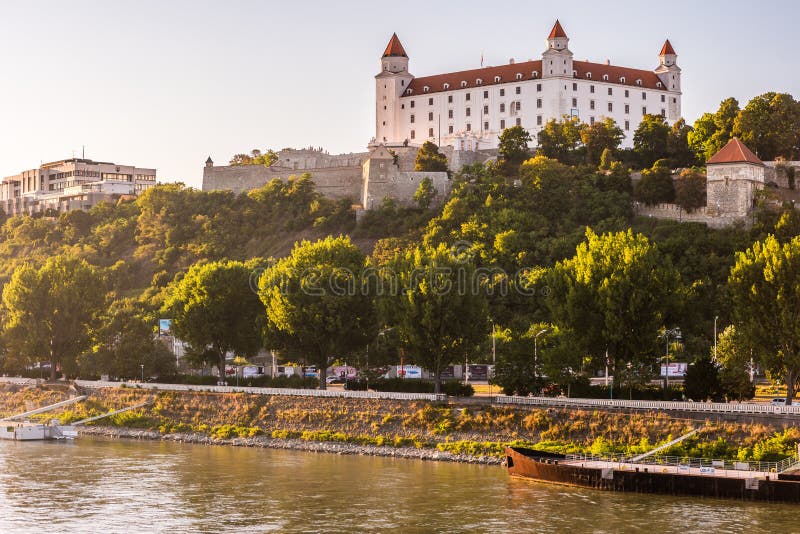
{"type": "Point", "coordinates": [511, 61]}
{"type": "Point", "coordinates": [608, 62]}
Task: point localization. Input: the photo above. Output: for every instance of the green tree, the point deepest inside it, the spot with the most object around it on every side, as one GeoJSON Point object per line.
{"type": "Point", "coordinates": [765, 292]}
{"type": "Point", "coordinates": [678, 147]}
{"type": "Point", "coordinates": [651, 140]}
{"type": "Point", "coordinates": [317, 303]}
{"type": "Point", "coordinates": [123, 341]}
{"type": "Point", "coordinates": [615, 295]}
{"type": "Point", "coordinates": [770, 125]}
{"type": "Point", "coordinates": [215, 310]}
{"type": "Point", "coordinates": [425, 193]}
{"type": "Point", "coordinates": [656, 185]}
{"type": "Point", "coordinates": [734, 358]}
{"type": "Point", "coordinates": [49, 312]}
{"type": "Point", "coordinates": [561, 140]}
{"type": "Point", "coordinates": [690, 190]}
{"type": "Point", "coordinates": [256, 157]}
{"type": "Point", "coordinates": [599, 137]}
{"type": "Point", "coordinates": [702, 380]}
{"type": "Point", "coordinates": [440, 311]}
{"type": "Point", "coordinates": [429, 159]}
{"type": "Point", "coordinates": [513, 146]}
{"type": "Point", "coordinates": [712, 131]}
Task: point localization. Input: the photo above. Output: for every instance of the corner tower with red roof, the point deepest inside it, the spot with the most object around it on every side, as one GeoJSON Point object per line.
{"type": "Point", "coordinates": [471, 107]}
{"type": "Point", "coordinates": [733, 175]}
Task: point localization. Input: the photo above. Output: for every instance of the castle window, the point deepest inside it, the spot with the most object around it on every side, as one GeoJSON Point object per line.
{"type": "Point", "coordinates": [469, 112]}
{"type": "Point", "coordinates": [430, 132]}
{"type": "Point", "coordinates": [627, 93]}
{"type": "Point", "coordinates": [639, 82]}
{"type": "Point", "coordinates": [539, 103]}
{"type": "Point", "coordinates": [411, 104]}
{"type": "Point", "coordinates": [674, 100]}
{"type": "Point", "coordinates": [591, 89]}
{"type": "Point", "coordinates": [413, 134]}
{"type": "Point", "coordinates": [463, 83]}
{"type": "Point", "coordinates": [538, 120]}
{"type": "Point", "coordinates": [402, 106]}
{"type": "Point", "coordinates": [610, 106]}
{"type": "Point", "coordinates": [627, 125]}
{"type": "Point", "coordinates": [467, 97]}
{"type": "Point", "coordinates": [412, 119]}
{"type": "Point", "coordinates": [430, 101]}
{"type": "Point", "coordinates": [486, 125]}
{"type": "Point", "coordinates": [384, 123]}
{"type": "Point", "coordinates": [535, 74]}
{"type": "Point", "coordinates": [591, 120]}
{"type": "Point", "coordinates": [663, 98]}
{"type": "Point", "coordinates": [574, 86]}
{"type": "Point", "coordinates": [658, 84]}
{"type": "Point", "coordinates": [627, 109]}
{"type": "Point", "coordinates": [450, 129]}
{"type": "Point", "coordinates": [589, 75]}
{"type": "Point", "coordinates": [426, 89]}
{"type": "Point", "coordinates": [644, 95]}
{"type": "Point", "coordinates": [610, 91]}
{"type": "Point", "coordinates": [605, 77]}
{"type": "Point", "coordinates": [519, 105]}
{"type": "Point", "coordinates": [519, 75]}
{"type": "Point", "coordinates": [485, 110]}
{"type": "Point", "coordinates": [518, 90]}
{"type": "Point", "coordinates": [446, 86]}
{"type": "Point", "coordinates": [574, 74]}
{"type": "Point", "coordinates": [591, 104]}
{"type": "Point", "coordinates": [469, 127]}
{"type": "Point", "coordinates": [430, 116]}
{"type": "Point", "coordinates": [478, 82]}
{"type": "Point", "coordinates": [519, 122]}
{"type": "Point", "coordinates": [622, 80]}
{"type": "Point", "coordinates": [449, 99]}
{"type": "Point", "coordinates": [486, 94]}
{"type": "Point", "coordinates": [497, 79]}
{"type": "Point", "coordinates": [644, 111]}
{"type": "Point", "coordinates": [538, 88]}
{"type": "Point", "coordinates": [502, 108]}
{"type": "Point", "coordinates": [502, 125]}
{"type": "Point", "coordinates": [402, 83]}
{"type": "Point", "coordinates": [663, 112]}
{"type": "Point", "coordinates": [449, 113]}
{"type": "Point", "coordinates": [502, 92]}
{"type": "Point", "coordinates": [574, 102]}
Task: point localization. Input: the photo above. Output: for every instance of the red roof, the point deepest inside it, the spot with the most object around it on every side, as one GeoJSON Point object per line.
{"type": "Point", "coordinates": [508, 74]}
{"type": "Point", "coordinates": [667, 49]}
{"type": "Point", "coordinates": [735, 152]}
{"type": "Point", "coordinates": [557, 31]}
{"type": "Point", "coordinates": [394, 48]}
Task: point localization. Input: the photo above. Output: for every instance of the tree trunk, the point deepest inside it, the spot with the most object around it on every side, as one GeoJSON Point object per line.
{"type": "Point", "coordinates": [52, 363]}
{"type": "Point", "coordinates": [221, 368]}
{"type": "Point", "coordinates": [437, 381]}
{"type": "Point", "coordinates": [790, 378]}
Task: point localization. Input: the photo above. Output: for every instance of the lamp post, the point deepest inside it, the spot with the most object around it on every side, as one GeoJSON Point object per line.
{"type": "Point", "coordinates": [536, 353]}
{"type": "Point", "coordinates": [142, 366]}
{"type": "Point", "coordinates": [715, 337]}
{"type": "Point", "coordinates": [676, 334]}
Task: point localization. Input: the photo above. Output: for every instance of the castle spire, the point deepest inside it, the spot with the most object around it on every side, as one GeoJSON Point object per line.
{"type": "Point", "coordinates": [557, 31]}
{"type": "Point", "coordinates": [667, 49]}
{"type": "Point", "coordinates": [394, 48]}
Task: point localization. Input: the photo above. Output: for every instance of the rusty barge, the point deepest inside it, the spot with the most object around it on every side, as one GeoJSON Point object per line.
{"type": "Point", "coordinates": [752, 481]}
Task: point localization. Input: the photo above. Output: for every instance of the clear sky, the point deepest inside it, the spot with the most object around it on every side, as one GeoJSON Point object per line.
{"type": "Point", "coordinates": [165, 84]}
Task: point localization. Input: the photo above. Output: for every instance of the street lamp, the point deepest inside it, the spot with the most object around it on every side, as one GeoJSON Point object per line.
{"type": "Point", "coordinates": [142, 366]}
{"type": "Point", "coordinates": [715, 337]}
{"type": "Point", "coordinates": [536, 352]}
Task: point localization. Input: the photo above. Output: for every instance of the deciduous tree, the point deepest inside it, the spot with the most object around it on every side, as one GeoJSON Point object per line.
{"type": "Point", "coordinates": [429, 159]}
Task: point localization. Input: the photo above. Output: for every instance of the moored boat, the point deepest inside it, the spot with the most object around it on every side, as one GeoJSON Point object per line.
{"type": "Point", "coordinates": [774, 481]}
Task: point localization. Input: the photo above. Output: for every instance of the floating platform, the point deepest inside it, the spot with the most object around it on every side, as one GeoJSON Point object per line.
{"type": "Point", "coordinates": [770, 482]}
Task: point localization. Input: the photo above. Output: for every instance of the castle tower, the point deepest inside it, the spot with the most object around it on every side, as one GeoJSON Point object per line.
{"type": "Point", "coordinates": [389, 86]}
{"type": "Point", "coordinates": [733, 175]}
{"type": "Point", "coordinates": [668, 70]}
{"type": "Point", "coordinates": [557, 59]}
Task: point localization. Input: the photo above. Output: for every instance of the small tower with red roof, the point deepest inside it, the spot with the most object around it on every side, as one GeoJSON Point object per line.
{"type": "Point", "coordinates": [668, 69]}
{"type": "Point", "coordinates": [557, 59]}
{"type": "Point", "coordinates": [733, 176]}
{"type": "Point", "coordinates": [390, 84]}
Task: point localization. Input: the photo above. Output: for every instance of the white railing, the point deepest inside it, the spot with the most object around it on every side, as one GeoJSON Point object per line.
{"type": "Point", "coordinates": [685, 461]}
{"type": "Point", "coordinates": [20, 381]}
{"type": "Point", "coordinates": [328, 393]}
{"type": "Point", "coordinates": [707, 407]}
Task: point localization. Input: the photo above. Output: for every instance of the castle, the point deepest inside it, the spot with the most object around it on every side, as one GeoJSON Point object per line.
{"type": "Point", "coordinates": [469, 109]}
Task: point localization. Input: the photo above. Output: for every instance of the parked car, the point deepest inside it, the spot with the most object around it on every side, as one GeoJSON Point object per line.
{"type": "Point", "coordinates": [778, 402]}
{"type": "Point", "coordinates": [333, 379]}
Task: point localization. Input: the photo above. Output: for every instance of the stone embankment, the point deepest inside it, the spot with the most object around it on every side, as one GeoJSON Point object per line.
{"type": "Point", "coordinates": [291, 444]}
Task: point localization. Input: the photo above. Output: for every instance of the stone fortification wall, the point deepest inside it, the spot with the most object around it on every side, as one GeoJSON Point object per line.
{"type": "Point", "coordinates": [773, 174]}
{"type": "Point", "coordinates": [703, 215]}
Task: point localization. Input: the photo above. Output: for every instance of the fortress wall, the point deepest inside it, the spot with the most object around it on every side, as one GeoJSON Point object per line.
{"type": "Point", "coordinates": [704, 215]}
{"type": "Point", "coordinates": [332, 182]}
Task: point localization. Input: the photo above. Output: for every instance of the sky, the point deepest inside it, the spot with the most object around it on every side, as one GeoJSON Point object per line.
{"type": "Point", "coordinates": [167, 83]}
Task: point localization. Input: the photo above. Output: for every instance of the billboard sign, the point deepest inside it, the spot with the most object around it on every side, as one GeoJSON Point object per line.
{"type": "Point", "coordinates": [676, 369]}
{"type": "Point", "coordinates": [409, 371]}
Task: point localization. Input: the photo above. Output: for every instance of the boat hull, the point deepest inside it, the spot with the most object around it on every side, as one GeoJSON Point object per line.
{"type": "Point", "coordinates": [555, 468]}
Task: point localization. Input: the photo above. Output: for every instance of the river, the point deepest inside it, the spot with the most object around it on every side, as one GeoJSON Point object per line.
{"type": "Point", "coordinates": [95, 485]}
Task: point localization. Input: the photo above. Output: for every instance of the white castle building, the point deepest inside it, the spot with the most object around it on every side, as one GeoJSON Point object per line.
{"type": "Point", "coordinates": [469, 109]}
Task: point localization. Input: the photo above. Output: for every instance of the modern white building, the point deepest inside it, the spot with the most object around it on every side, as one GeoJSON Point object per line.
{"type": "Point", "coordinates": [469, 109]}
{"type": "Point", "coordinates": [70, 184]}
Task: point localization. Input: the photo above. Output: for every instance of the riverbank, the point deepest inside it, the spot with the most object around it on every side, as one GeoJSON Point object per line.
{"type": "Point", "coordinates": [264, 442]}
